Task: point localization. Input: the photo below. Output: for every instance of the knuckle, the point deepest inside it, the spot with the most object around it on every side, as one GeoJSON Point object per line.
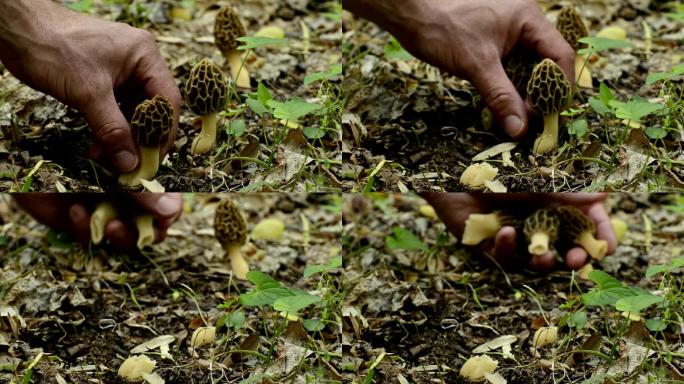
{"type": "Point", "coordinates": [112, 132]}
{"type": "Point", "coordinates": [497, 97]}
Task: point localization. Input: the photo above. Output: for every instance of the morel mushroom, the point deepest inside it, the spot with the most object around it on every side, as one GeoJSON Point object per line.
{"type": "Point", "coordinates": [480, 226]}
{"type": "Point", "coordinates": [548, 92]}
{"type": "Point", "coordinates": [230, 230]}
{"type": "Point", "coordinates": [227, 29]}
{"type": "Point", "coordinates": [572, 28]}
{"type": "Point", "coordinates": [103, 214]}
{"type": "Point", "coordinates": [540, 229]}
{"type": "Point", "coordinates": [579, 229]}
{"type": "Point", "coordinates": [519, 65]}
{"type": "Point", "coordinates": [151, 125]}
{"type": "Point", "coordinates": [206, 93]}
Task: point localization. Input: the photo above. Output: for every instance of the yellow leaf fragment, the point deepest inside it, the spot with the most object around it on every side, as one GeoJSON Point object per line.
{"type": "Point", "coordinates": [476, 367]}
{"type": "Point", "coordinates": [203, 336]}
{"type": "Point", "coordinates": [268, 229]}
{"type": "Point", "coordinates": [476, 175]}
{"type": "Point", "coordinates": [545, 336]}
{"type": "Point", "coordinates": [613, 32]}
{"type": "Point", "coordinates": [584, 271]}
{"type": "Point", "coordinates": [428, 211]}
{"type": "Point", "coordinates": [495, 150]}
{"type": "Point", "coordinates": [620, 228]}
{"type": "Point", "coordinates": [495, 378]}
{"type": "Point", "coordinates": [271, 31]}
{"type": "Point", "coordinates": [135, 367]}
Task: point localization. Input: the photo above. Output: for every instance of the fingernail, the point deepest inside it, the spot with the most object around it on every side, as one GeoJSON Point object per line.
{"type": "Point", "coordinates": [167, 206]}
{"type": "Point", "coordinates": [514, 125]}
{"type": "Point", "coordinates": [125, 161]}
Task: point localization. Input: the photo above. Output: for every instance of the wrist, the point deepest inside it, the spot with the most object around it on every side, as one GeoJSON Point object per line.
{"type": "Point", "coordinates": [399, 18]}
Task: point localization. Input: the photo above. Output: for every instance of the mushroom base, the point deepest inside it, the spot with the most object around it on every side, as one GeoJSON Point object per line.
{"type": "Point", "coordinates": [145, 228]}
{"type": "Point", "coordinates": [539, 243]}
{"type": "Point", "coordinates": [597, 249]}
{"type": "Point", "coordinates": [149, 165]}
{"type": "Point", "coordinates": [583, 73]}
{"type": "Point", "coordinates": [238, 263]}
{"type": "Point", "coordinates": [205, 141]}
{"type": "Point", "coordinates": [479, 227]}
{"type": "Point", "coordinates": [548, 140]}
{"type": "Point", "coordinates": [238, 71]}
{"type": "Point", "coordinates": [103, 214]}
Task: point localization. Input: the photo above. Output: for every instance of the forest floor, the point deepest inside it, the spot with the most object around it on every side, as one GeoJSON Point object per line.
{"type": "Point", "coordinates": [43, 144]}
{"type": "Point", "coordinates": [407, 126]}
{"type": "Point", "coordinates": [73, 315]}
{"type": "Point", "coordinates": [415, 316]}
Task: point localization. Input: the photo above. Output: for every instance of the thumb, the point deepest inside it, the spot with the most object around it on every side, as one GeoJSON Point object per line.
{"type": "Point", "coordinates": [502, 98]}
{"type": "Point", "coordinates": [111, 130]}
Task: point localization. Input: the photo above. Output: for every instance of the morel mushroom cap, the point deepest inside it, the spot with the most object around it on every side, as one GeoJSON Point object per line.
{"type": "Point", "coordinates": [227, 29]}
{"type": "Point", "coordinates": [518, 65]}
{"type": "Point", "coordinates": [548, 93]}
{"type": "Point", "coordinates": [580, 229]}
{"type": "Point", "coordinates": [206, 93]}
{"type": "Point", "coordinates": [480, 227]}
{"type": "Point", "coordinates": [571, 26]}
{"type": "Point", "coordinates": [540, 229]}
{"type": "Point", "coordinates": [230, 230]}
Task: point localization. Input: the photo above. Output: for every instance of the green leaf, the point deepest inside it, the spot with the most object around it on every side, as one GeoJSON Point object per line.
{"type": "Point", "coordinates": [60, 240]}
{"type": "Point", "coordinates": [404, 239]}
{"type": "Point", "coordinates": [257, 107]}
{"type": "Point", "coordinates": [394, 51]}
{"type": "Point", "coordinates": [598, 106]}
{"type": "Point", "coordinates": [334, 263]}
{"type": "Point", "coordinates": [263, 94]}
{"type": "Point", "coordinates": [655, 133]}
{"type": "Point", "coordinates": [332, 72]}
{"type": "Point", "coordinates": [656, 269]}
{"type": "Point", "coordinates": [266, 292]}
{"type": "Point", "coordinates": [636, 304]}
{"type": "Point", "coordinates": [313, 133]}
{"type": "Point", "coordinates": [655, 325]}
{"type": "Point", "coordinates": [83, 6]}
{"type": "Point", "coordinates": [600, 44]}
{"type": "Point", "coordinates": [313, 325]}
{"type": "Point", "coordinates": [605, 94]}
{"type": "Point", "coordinates": [578, 128]}
{"type": "Point", "coordinates": [674, 72]}
{"type": "Point", "coordinates": [252, 42]}
{"type": "Point", "coordinates": [578, 320]}
{"type": "Point", "coordinates": [236, 127]}
{"type": "Point", "coordinates": [635, 109]}
{"type": "Point", "coordinates": [609, 290]}
{"type": "Point", "coordinates": [236, 320]}
{"type": "Point", "coordinates": [294, 304]}
{"type": "Point", "coordinates": [293, 109]}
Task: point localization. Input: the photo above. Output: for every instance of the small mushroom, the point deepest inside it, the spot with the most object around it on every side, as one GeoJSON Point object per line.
{"type": "Point", "coordinates": [227, 29]}
{"type": "Point", "coordinates": [540, 229]}
{"type": "Point", "coordinates": [580, 230]}
{"type": "Point", "coordinates": [145, 226]}
{"type": "Point", "coordinates": [480, 226]}
{"type": "Point", "coordinates": [571, 26]}
{"type": "Point", "coordinates": [136, 367]}
{"type": "Point", "coordinates": [206, 93]}
{"type": "Point", "coordinates": [103, 214]}
{"type": "Point", "coordinates": [230, 230]}
{"type": "Point", "coordinates": [151, 125]}
{"type": "Point", "coordinates": [548, 93]}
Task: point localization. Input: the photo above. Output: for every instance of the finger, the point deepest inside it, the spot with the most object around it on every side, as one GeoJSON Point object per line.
{"type": "Point", "coordinates": [166, 208]}
{"type": "Point", "coordinates": [444, 204]}
{"type": "Point", "coordinates": [112, 132]}
{"type": "Point", "coordinates": [505, 245]}
{"type": "Point", "coordinates": [579, 199]}
{"type": "Point", "coordinates": [543, 262]}
{"type": "Point", "coordinates": [79, 223]}
{"type": "Point", "coordinates": [502, 98]}
{"type": "Point", "coordinates": [576, 257]}
{"type": "Point", "coordinates": [120, 235]}
{"type": "Point", "coordinates": [604, 228]}
{"type": "Point", "coordinates": [539, 35]}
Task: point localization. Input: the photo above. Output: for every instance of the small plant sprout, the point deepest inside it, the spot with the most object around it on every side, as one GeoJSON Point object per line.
{"type": "Point", "coordinates": [480, 226]}
{"type": "Point", "coordinates": [580, 229]}
{"type": "Point", "coordinates": [540, 229]}
{"type": "Point", "coordinates": [151, 125]}
{"type": "Point", "coordinates": [548, 93]}
{"type": "Point", "coordinates": [103, 214]}
{"type": "Point", "coordinates": [230, 230]}
{"type": "Point", "coordinates": [572, 28]}
{"type": "Point", "coordinates": [227, 29]}
{"type": "Point", "coordinates": [206, 93]}
{"type": "Point", "coordinates": [145, 226]}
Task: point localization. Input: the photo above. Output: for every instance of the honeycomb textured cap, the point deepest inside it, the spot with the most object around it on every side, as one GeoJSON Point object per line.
{"type": "Point", "coordinates": [571, 26]}
{"type": "Point", "coordinates": [227, 28]}
{"type": "Point", "coordinates": [574, 222]}
{"type": "Point", "coordinates": [518, 66]}
{"type": "Point", "coordinates": [548, 90]}
{"type": "Point", "coordinates": [229, 225]}
{"type": "Point", "coordinates": [152, 120]}
{"type": "Point", "coordinates": [207, 89]}
{"type": "Point", "coordinates": [542, 220]}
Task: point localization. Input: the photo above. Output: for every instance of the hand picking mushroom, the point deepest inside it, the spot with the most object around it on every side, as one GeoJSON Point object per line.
{"type": "Point", "coordinates": [103, 214]}
{"type": "Point", "coordinates": [230, 230]}
{"type": "Point", "coordinates": [481, 226]}
{"type": "Point", "coordinates": [548, 92]}
{"type": "Point", "coordinates": [151, 126]}
{"type": "Point", "coordinates": [540, 229]}
{"type": "Point", "coordinates": [575, 225]}
{"type": "Point", "coordinates": [227, 29]}
{"type": "Point", "coordinates": [206, 93]}
{"type": "Point", "coordinates": [572, 28]}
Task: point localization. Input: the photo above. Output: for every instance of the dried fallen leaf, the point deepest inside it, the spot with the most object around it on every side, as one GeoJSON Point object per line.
{"type": "Point", "coordinates": [135, 367]}
{"type": "Point", "coordinates": [203, 336]}
{"type": "Point", "coordinates": [495, 150]}
{"type": "Point", "coordinates": [476, 367]}
{"type": "Point", "coordinates": [476, 175]}
{"type": "Point", "coordinates": [545, 336]}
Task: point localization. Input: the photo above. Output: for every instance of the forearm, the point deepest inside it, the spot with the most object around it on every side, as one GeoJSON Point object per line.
{"type": "Point", "coordinates": [23, 24]}
{"type": "Point", "coordinates": [398, 17]}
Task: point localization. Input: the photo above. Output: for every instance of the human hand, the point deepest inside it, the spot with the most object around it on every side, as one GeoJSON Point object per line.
{"type": "Point", "coordinates": [455, 208]}
{"type": "Point", "coordinates": [88, 64]}
{"type": "Point", "coordinates": [468, 38]}
{"type": "Point", "coordinates": [71, 213]}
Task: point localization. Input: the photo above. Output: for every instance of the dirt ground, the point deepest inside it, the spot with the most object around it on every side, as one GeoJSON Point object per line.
{"type": "Point", "coordinates": [415, 316]}
{"type": "Point", "coordinates": [407, 126]}
{"type": "Point", "coordinates": [78, 314]}
{"type": "Point", "coordinates": [43, 144]}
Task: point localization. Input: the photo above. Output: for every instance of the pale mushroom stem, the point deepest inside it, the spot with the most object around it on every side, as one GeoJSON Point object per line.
{"type": "Point", "coordinates": [539, 243]}
{"type": "Point", "coordinates": [144, 224]}
{"type": "Point", "coordinates": [149, 165]}
{"type": "Point", "coordinates": [479, 227]}
{"type": "Point", "coordinates": [597, 249]}
{"type": "Point", "coordinates": [238, 72]}
{"type": "Point", "coordinates": [583, 73]}
{"type": "Point", "coordinates": [205, 141]}
{"type": "Point", "coordinates": [103, 214]}
{"type": "Point", "coordinates": [548, 140]}
{"type": "Point", "coordinates": [237, 262]}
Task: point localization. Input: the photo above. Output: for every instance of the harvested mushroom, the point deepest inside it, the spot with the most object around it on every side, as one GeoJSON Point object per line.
{"type": "Point", "coordinates": [206, 93]}
{"type": "Point", "coordinates": [480, 226]}
{"type": "Point", "coordinates": [151, 125]}
{"type": "Point", "coordinates": [548, 92]}
{"type": "Point", "coordinates": [136, 367]}
{"type": "Point", "coordinates": [103, 214]}
{"type": "Point", "coordinates": [540, 229]}
{"type": "Point", "coordinates": [572, 28]}
{"type": "Point", "coordinates": [580, 230]}
{"type": "Point", "coordinates": [476, 175]}
{"type": "Point", "coordinates": [230, 230]}
{"type": "Point", "coordinates": [227, 29]}
{"type": "Point", "coordinates": [476, 367]}
{"type": "Point", "coordinates": [145, 226]}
